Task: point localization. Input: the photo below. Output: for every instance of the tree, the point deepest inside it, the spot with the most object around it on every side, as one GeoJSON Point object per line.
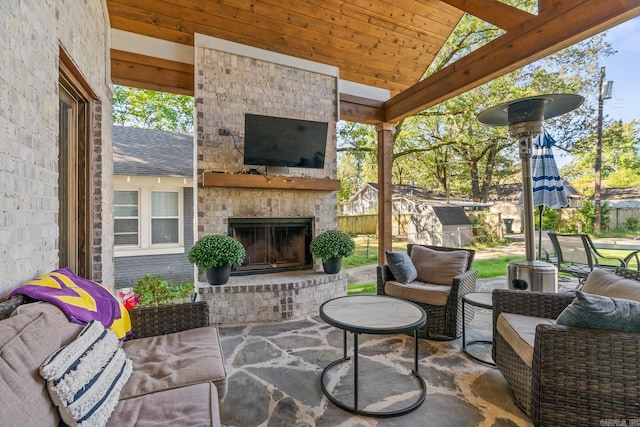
{"type": "Point", "coordinates": [620, 158]}
{"type": "Point", "coordinates": [152, 110]}
{"type": "Point", "coordinates": [356, 157]}
{"type": "Point", "coordinates": [445, 146]}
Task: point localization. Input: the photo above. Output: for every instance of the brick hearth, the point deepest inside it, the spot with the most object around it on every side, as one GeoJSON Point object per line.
{"type": "Point", "coordinates": [271, 297]}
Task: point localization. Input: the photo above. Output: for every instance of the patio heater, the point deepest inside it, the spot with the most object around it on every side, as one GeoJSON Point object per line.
{"type": "Point", "coordinates": [524, 117]}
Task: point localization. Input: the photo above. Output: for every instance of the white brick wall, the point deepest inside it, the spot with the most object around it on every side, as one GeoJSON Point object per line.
{"type": "Point", "coordinates": [32, 33]}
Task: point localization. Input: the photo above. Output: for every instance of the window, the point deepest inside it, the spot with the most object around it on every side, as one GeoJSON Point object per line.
{"type": "Point", "coordinates": [126, 221]}
{"type": "Point", "coordinates": [164, 217]}
{"type": "Point", "coordinates": [148, 221]}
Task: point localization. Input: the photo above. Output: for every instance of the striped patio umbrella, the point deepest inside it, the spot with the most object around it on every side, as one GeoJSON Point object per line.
{"type": "Point", "coordinates": [548, 190]}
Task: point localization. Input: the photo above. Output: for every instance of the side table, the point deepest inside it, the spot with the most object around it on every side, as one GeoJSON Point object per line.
{"type": "Point", "coordinates": [473, 347]}
{"type": "Point", "coordinates": [378, 315]}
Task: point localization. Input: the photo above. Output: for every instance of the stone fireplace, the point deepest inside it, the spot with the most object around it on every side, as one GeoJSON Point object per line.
{"type": "Point", "coordinates": [252, 207]}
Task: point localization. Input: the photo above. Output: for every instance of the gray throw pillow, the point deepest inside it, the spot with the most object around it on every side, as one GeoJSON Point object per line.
{"type": "Point", "coordinates": [401, 267]}
{"type": "Point", "coordinates": [599, 312]}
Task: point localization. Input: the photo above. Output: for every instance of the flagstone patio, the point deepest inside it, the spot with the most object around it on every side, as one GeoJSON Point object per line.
{"type": "Point", "coordinates": [274, 377]}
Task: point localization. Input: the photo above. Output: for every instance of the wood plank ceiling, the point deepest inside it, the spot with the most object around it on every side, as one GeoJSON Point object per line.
{"type": "Point", "coordinates": [381, 43]}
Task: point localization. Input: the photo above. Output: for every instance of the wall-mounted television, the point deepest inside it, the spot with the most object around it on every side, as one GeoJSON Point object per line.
{"type": "Point", "coordinates": [278, 141]}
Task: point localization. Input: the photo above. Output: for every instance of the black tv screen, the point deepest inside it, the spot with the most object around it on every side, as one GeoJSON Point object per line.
{"type": "Point", "coordinates": [277, 141]}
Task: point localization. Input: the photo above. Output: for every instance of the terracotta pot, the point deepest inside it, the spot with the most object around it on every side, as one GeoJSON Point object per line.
{"type": "Point", "coordinates": [218, 275]}
{"type": "Point", "coordinates": [332, 265]}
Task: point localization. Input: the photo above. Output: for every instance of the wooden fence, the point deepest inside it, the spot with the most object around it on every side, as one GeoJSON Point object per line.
{"type": "Point", "coordinates": [368, 224]}
{"type": "Point", "coordinates": [487, 225]}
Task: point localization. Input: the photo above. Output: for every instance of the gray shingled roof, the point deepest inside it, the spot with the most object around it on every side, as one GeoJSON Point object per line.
{"type": "Point", "coordinates": [402, 190]}
{"type": "Point", "coordinates": [621, 193]}
{"type": "Point", "coordinates": [150, 152]}
{"type": "Point", "coordinates": [512, 192]}
{"type": "Point", "coordinates": [451, 215]}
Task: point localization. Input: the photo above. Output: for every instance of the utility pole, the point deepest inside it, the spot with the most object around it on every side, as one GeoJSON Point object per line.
{"type": "Point", "coordinates": [604, 92]}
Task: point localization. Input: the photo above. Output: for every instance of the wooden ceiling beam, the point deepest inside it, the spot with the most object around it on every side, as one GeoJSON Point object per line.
{"type": "Point", "coordinates": [561, 25]}
{"type": "Point", "coordinates": [148, 72]}
{"type": "Point", "coordinates": [361, 110]}
{"type": "Point", "coordinates": [492, 11]}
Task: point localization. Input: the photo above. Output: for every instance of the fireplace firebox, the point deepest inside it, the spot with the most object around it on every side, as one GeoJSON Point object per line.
{"type": "Point", "coordinates": [273, 244]}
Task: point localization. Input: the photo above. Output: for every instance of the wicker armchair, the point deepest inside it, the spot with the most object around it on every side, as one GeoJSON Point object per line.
{"type": "Point", "coordinates": [443, 322]}
{"type": "Point", "coordinates": [579, 376]}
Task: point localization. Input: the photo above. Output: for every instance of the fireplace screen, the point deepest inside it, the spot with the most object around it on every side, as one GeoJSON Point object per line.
{"type": "Point", "coordinates": [273, 244]}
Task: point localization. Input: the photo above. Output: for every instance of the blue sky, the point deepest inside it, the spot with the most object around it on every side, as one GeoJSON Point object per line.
{"type": "Point", "coordinates": [623, 69]}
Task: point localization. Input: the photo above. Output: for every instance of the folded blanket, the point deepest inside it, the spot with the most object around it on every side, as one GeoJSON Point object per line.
{"type": "Point", "coordinates": [82, 300]}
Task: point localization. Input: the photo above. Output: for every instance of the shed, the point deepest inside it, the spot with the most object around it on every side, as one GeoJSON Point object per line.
{"type": "Point", "coordinates": [624, 204]}
{"type": "Point", "coordinates": [440, 224]}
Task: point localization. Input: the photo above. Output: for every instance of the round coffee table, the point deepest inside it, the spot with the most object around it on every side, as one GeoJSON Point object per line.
{"type": "Point", "coordinates": [372, 314]}
{"type": "Point", "coordinates": [481, 300]}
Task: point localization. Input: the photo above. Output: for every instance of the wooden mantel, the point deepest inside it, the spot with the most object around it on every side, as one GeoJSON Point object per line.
{"type": "Point", "coordinates": [227, 180]}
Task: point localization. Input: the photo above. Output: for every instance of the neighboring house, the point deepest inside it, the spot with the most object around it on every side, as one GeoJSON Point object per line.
{"type": "Point", "coordinates": [621, 197]}
{"type": "Point", "coordinates": [506, 199]}
{"type": "Point", "coordinates": [405, 200]}
{"type": "Point", "coordinates": [624, 203]}
{"type": "Point", "coordinates": [153, 204]}
{"type": "Point", "coordinates": [428, 218]}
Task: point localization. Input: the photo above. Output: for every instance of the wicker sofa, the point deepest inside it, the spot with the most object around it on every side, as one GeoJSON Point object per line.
{"type": "Point", "coordinates": [568, 375]}
{"type": "Point", "coordinates": [443, 304]}
{"type": "Point", "coordinates": [178, 373]}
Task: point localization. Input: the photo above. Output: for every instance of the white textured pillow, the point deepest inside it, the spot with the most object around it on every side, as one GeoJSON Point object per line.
{"type": "Point", "coordinates": [85, 377]}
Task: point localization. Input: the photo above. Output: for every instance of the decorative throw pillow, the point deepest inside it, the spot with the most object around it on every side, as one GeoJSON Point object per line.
{"type": "Point", "coordinates": [438, 267]}
{"type": "Point", "coordinates": [85, 377]}
{"type": "Point", "coordinates": [82, 300]}
{"type": "Point", "coordinates": [606, 283]}
{"type": "Point", "coordinates": [600, 312]}
{"type": "Point", "coordinates": [401, 267]}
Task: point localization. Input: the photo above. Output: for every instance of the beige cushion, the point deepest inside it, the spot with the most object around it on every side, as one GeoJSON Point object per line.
{"type": "Point", "coordinates": [426, 293]}
{"type": "Point", "coordinates": [608, 284]}
{"type": "Point", "coordinates": [520, 332]}
{"type": "Point", "coordinates": [68, 330]}
{"type": "Point", "coordinates": [175, 360]}
{"type": "Point", "coordinates": [438, 267]}
{"type": "Point", "coordinates": [26, 340]}
{"type": "Point", "coordinates": [194, 405]}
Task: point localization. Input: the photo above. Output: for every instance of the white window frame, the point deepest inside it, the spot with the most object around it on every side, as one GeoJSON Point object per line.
{"type": "Point", "coordinates": [144, 186]}
{"type": "Point", "coordinates": [137, 217]}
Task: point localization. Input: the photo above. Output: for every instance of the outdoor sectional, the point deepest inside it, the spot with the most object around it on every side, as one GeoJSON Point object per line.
{"type": "Point", "coordinates": [178, 375]}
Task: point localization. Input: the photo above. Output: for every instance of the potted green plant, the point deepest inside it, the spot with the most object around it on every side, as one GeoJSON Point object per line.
{"type": "Point", "coordinates": [330, 246]}
{"type": "Point", "coordinates": [153, 291]}
{"type": "Point", "coordinates": [216, 254]}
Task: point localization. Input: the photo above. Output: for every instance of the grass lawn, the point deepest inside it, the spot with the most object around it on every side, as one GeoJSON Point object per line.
{"type": "Point", "coordinates": [367, 253]}
{"type": "Point", "coordinates": [494, 267]}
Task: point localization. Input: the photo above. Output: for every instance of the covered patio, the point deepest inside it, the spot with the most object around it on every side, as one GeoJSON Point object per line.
{"type": "Point", "coordinates": [328, 60]}
{"type": "Point", "coordinates": [381, 51]}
